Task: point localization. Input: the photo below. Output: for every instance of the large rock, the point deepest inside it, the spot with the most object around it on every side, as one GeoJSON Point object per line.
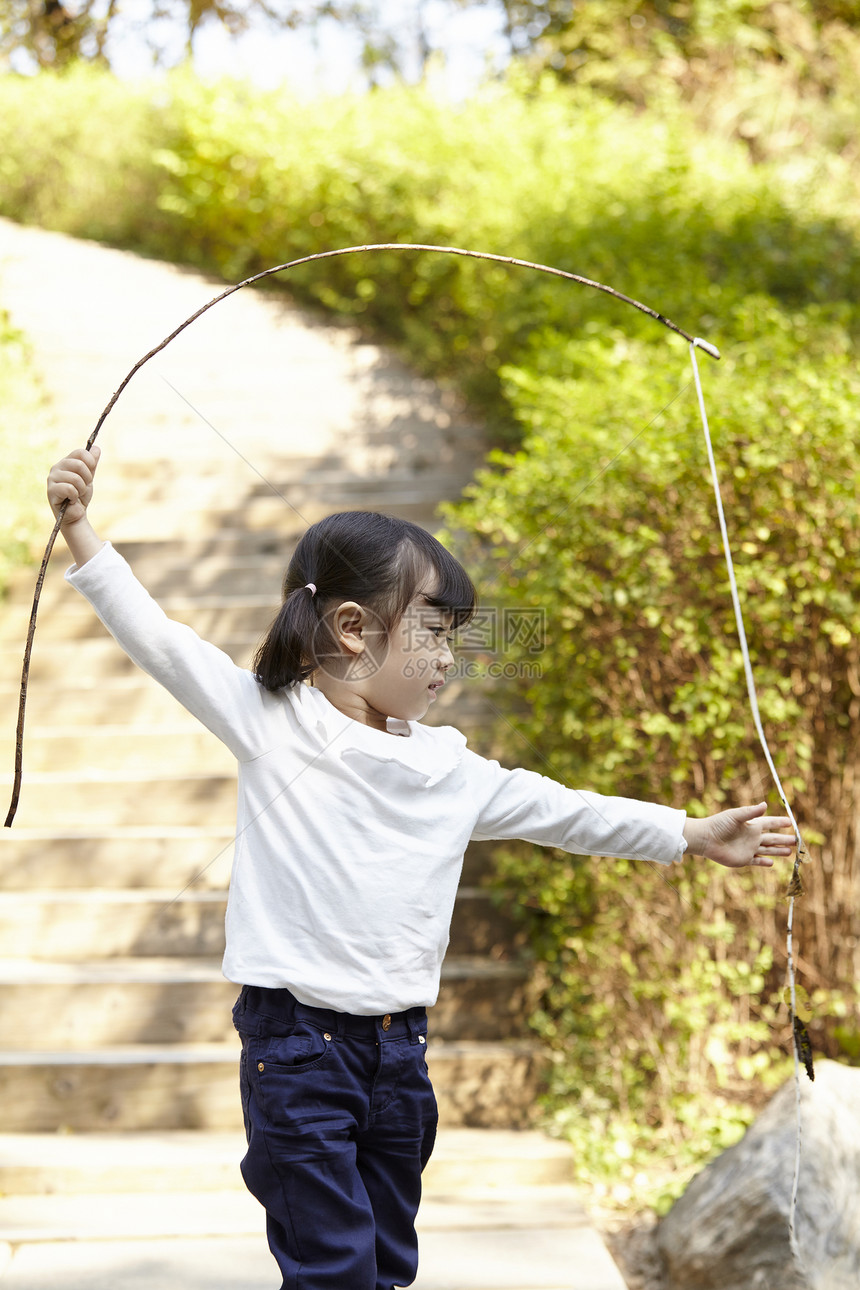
{"type": "Point", "coordinates": [729, 1231]}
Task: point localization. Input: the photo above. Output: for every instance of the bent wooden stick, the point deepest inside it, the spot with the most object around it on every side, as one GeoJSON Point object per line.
{"type": "Point", "coordinates": [258, 277]}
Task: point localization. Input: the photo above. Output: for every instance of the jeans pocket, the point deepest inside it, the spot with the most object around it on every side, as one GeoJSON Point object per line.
{"type": "Point", "coordinates": [287, 1073]}
{"type": "Point", "coordinates": [301, 1049]}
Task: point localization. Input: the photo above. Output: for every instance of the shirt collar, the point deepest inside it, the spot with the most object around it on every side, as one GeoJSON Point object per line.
{"type": "Point", "coordinates": [430, 752]}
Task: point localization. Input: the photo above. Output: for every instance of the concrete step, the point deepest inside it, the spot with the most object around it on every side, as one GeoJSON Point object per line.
{"type": "Point", "coordinates": [73, 1165]}
{"type": "Point", "coordinates": [26, 1220]}
{"type": "Point", "coordinates": [230, 563]}
{"type": "Point", "coordinates": [488, 1085]}
{"type": "Point", "coordinates": [140, 856]}
{"type": "Point", "coordinates": [194, 1086]}
{"type": "Point", "coordinates": [176, 591]}
{"type": "Point", "coordinates": [228, 545]}
{"type": "Point", "coordinates": [33, 859]}
{"type": "Point", "coordinates": [133, 748]}
{"type": "Point", "coordinates": [72, 924]}
{"type": "Point", "coordinates": [99, 658]}
{"type": "Point", "coordinates": [66, 615]}
{"type": "Point", "coordinates": [108, 800]}
{"type": "Point", "coordinates": [214, 577]}
{"type": "Point", "coordinates": [361, 491]}
{"type": "Point", "coordinates": [76, 1005]}
{"type": "Point", "coordinates": [68, 1007]}
{"type": "Point", "coordinates": [414, 498]}
{"type": "Point", "coordinates": [134, 699]}
{"type": "Point", "coordinates": [213, 1212]}
{"type": "Point", "coordinates": [236, 545]}
{"type": "Point", "coordinates": [142, 1086]}
{"type": "Point", "coordinates": [498, 1212]}
{"type": "Point", "coordinates": [176, 516]}
{"type": "Point", "coordinates": [458, 1253]}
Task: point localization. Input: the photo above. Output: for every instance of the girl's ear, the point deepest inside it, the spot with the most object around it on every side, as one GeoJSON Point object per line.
{"type": "Point", "coordinates": [347, 623]}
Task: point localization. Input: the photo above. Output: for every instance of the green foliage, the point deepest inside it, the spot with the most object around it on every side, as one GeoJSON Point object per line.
{"type": "Point", "coordinates": [75, 153]}
{"type": "Point", "coordinates": [640, 49]}
{"type": "Point", "coordinates": [662, 994]}
{"type": "Point", "coordinates": [607, 510]}
{"type": "Point", "coordinates": [649, 36]}
{"type": "Point", "coordinates": [779, 76]}
{"type": "Point", "coordinates": [235, 180]}
{"type": "Point", "coordinates": [25, 438]}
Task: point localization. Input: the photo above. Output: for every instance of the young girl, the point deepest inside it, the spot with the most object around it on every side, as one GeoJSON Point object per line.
{"type": "Point", "coordinates": [352, 823]}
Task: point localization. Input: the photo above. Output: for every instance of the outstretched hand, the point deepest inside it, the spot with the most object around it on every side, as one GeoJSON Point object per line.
{"type": "Point", "coordinates": [741, 836]}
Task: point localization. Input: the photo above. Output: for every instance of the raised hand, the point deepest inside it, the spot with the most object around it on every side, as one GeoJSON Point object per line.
{"type": "Point", "coordinates": [71, 480]}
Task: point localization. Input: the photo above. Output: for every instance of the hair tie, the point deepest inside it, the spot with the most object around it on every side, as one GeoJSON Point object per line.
{"type": "Point", "coordinates": [310, 586]}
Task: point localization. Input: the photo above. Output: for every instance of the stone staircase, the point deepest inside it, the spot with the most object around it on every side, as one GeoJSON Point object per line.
{"type": "Point", "coordinates": [119, 1119]}
{"type": "Point", "coordinates": [113, 1011]}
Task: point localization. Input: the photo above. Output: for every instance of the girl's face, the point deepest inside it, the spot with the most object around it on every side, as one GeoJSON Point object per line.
{"type": "Point", "coordinates": [377, 674]}
{"type": "Point", "coordinates": [411, 670]}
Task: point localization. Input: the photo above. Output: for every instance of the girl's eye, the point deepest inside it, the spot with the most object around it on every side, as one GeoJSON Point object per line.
{"type": "Point", "coordinates": [442, 631]}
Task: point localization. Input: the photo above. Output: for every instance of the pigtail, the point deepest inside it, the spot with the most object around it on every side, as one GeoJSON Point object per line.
{"type": "Point", "coordinates": [286, 654]}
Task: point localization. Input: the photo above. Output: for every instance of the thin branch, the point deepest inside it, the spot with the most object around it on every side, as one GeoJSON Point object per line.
{"type": "Point", "coordinates": [258, 277]}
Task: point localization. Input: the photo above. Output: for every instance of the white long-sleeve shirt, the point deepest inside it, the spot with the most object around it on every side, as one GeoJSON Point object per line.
{"type": "Point", "coordinates": [349, 841]}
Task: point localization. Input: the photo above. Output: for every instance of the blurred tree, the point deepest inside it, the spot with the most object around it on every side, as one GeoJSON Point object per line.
{"type": "Point", "coordinates": [606, 42]}
{"type": "Point", "coordinates": [50, 33]}
{"type": "Point", "coordinates": [620, 46]}
{"type": "Point", "coordinates": [54, 33]}
{"type": "Point", "coordinates": [618, 43]}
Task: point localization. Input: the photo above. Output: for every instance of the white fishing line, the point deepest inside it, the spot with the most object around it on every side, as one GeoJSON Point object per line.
{"type": "Point", "coordinates": [753, 698]}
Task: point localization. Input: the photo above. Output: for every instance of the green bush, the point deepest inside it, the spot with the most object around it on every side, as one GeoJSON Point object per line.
{"type": "Point", "coordinates": [75, 153]}
{"type": "Point", "coordinates": [234, 180]}
{"type": "Point", "coordinates": [662, 990]}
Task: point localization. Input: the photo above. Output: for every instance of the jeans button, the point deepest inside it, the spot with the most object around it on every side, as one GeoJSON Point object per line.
{"type": "Point", "coordinates": [386, 1021]}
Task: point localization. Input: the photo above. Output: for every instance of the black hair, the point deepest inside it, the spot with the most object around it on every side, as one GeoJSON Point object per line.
{"type": "Point", "coordinates": [376, 560]}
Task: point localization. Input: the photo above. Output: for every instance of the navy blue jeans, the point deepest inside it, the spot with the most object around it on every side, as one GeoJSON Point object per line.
{"type": "Point", "coordinates": [340, 1118]}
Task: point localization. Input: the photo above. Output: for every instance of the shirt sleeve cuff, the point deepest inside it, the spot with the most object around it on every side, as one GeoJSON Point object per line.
{"type": "Point", "coordinates": [77, 575]}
